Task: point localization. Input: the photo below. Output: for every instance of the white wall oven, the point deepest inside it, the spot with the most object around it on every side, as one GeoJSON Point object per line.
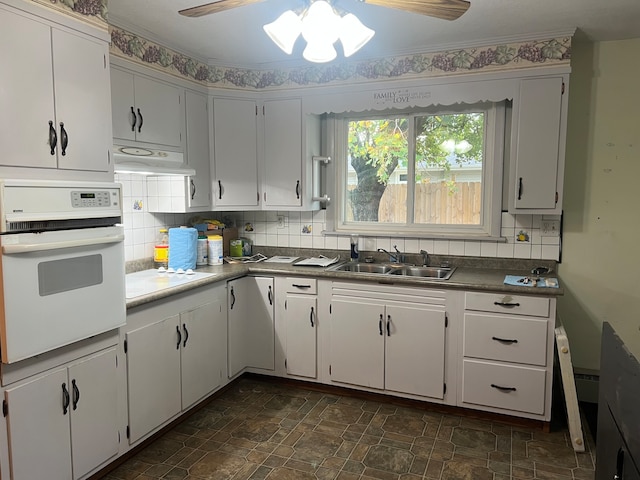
{"type": "Point", "coordinates": [61, 264]}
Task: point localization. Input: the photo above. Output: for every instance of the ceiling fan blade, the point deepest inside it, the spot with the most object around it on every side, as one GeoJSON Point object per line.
{"type": "Point", "coordinates": [444, 9]}
{"type": "Point", "coordinates": [215, 7]}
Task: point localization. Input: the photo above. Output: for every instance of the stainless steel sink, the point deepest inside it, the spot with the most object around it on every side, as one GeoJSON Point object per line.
{"type": "Point", "coordinates": [441, 273]}
{"type": "Point", "coordinates": [435, 273]}
{"type": "Point", "coordinates": [362, 268]}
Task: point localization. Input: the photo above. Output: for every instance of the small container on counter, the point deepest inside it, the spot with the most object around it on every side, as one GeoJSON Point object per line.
{"type": "Point", "coordinates": [201, 249]}
{"type": "Point", "coordinates": [214, 250]}
{"type": "Point", "coordinates": [161, 249]}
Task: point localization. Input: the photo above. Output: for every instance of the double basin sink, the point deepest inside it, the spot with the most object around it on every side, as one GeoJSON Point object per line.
{"type": "Point", "coordinates": [433, 273]}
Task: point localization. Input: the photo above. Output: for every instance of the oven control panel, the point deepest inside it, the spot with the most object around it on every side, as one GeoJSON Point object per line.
{"type": "Point", "coordinates": [89, 199]}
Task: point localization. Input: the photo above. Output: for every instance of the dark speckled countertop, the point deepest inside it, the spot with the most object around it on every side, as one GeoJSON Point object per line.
{"type": "Point", "coordinates": [472, 273]}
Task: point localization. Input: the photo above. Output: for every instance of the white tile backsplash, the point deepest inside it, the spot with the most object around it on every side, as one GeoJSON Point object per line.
{"type": "Point", "coordinates": [141, 228]}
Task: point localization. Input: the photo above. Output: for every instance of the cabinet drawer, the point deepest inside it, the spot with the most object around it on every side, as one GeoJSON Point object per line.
{"type": "Point", "coordinates": [522, 388]}
{"type": "Point", "coordinates": [505, 303]}
{"type": "Point", "coordinates": [505, 338]}
{"type": "Point", "coordinates": [301, 285]}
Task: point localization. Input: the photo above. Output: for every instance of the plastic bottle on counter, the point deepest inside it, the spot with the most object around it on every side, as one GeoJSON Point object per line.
{"type": "Point", "coordinates": [354, 248]}
{"type": "Point", "coordinates": [161, 249]}
{"type": "Point", "coordinates": [214, 250]}
{"type": "Point", "coordinates": [201, 249]}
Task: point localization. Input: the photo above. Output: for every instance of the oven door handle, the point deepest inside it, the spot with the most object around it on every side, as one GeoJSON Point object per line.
{"type": "Point", "coordinates": [39, 247]}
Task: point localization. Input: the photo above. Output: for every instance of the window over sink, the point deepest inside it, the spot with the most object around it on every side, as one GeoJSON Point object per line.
{"type": "Point", "coordinates": [434, 171]}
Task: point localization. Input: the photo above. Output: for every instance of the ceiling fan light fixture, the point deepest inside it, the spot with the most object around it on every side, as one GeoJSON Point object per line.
{"type": "Point", "coordinates": [319, 52]}
{"type": "Point", "coordinates": [284, 31]}
{"type": "Point", "coordinates": [321, 27]}
{"type": "Point", "coordinates": [353, 34]}
{"type": "Point", "coordinates": [320, 23]}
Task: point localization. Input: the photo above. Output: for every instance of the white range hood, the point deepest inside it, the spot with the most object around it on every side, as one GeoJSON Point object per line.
{"type": "Point", "coordinates": [143, 161]}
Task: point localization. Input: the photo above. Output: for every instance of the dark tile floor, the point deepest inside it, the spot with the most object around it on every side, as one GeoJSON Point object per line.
{"type": "Point", "coordinates": [263, 430]}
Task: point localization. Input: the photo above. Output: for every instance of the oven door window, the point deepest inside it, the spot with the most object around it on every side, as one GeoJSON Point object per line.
{"type": "Point", "coordinates": [68, 274]}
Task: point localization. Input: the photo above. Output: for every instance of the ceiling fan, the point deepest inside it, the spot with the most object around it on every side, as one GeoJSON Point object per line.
{"type": "Point", "coordinates": [443, 9]}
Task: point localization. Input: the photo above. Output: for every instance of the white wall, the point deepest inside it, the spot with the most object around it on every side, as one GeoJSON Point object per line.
{"type": "Point", "coordinates": [601, 262]}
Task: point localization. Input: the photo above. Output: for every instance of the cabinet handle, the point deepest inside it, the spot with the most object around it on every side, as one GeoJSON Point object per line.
{"type": "Point", "coordinates": [140, 120]}
{"type": "Point", "coordinates": [64, 139]}
{"type": "Point", "coordinates": [311, 317]}
{"type": "Point", "coordinates": [507, 304]}
{"type": "Point", "coordinates": [65, 399]}
{"type": "Point", "coordinates": [233, 298]}
{"type": "Point", "coordinates": [76, 394]}
{"type": "Point", "coordinates": [388, 325]}
{"type": "Point", "coordinates": [504, 340]}
{"type": "Point", "coordinates": [53, 138]}
{"type": "Point", "coordinates": [380, 325]}
{"type": "Point", "coordinates": [186, 334]}
{"type": "Point", "coordinates": [503, 389]}
{"type": "Point", "coordinates": [297, 285]}
{"type": "Point", "coordinates": [135, 119]}
{"type": "Point", "coordinates": [193, 188]}
{"type": "Point", "coordinates": [298, 189]}
{"type": "Point", "coordinates": [520, 188]}
{"type": "Point", "coordinates": [179, 337]}
{"type": "Point", "coordinates": [219, 190]}
{"type": "Point", "coordinates": [270, 296]}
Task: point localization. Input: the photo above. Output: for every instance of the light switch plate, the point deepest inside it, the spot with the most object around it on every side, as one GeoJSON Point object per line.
{"type": "Point", "coordinates": [550, 228]}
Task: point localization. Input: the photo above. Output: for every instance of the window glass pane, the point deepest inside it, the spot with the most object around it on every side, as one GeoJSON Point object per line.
{"type": "Point", "coordinates": [448, 169]}
{"type": "Point", "coordinates": [376, 171]}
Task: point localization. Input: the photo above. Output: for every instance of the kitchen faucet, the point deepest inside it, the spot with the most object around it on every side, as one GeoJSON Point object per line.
{"type": "Point", "coordinates": [397, 258]}
{"type": "Point", "coordinates": [425, 257]}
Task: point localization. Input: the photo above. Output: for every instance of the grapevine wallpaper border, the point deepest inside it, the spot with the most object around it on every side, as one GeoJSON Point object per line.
{"type": "Point", "coordinates": [93, 12]}
{"type": "Point", "coordinates": [554, 51]}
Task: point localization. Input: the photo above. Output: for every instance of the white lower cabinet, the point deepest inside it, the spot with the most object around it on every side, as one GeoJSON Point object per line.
{"type": "Point", "coordinates": [251, 324]}
{"type": "Point", "coordinates": [388, 338]}
{"type": "Point", "coordinates": [507, 354]}
{"type": "Point", "coordinates": [297, 326]}
{"type": "Point", "coordinates": [173, 361]}
{"type": "Point", "coordinates": [64, 423]}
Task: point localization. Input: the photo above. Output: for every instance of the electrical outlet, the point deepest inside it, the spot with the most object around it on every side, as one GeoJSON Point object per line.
{"type": "Point", "coordinates": [550, 228]}
{"type": "Point", "coordinates": [283, 221]}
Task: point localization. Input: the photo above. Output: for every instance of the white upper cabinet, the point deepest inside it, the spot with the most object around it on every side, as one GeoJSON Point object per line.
{"type": "Point", "coordinates": [538, 145]}
{"type": "Point", "coordinates": [54, 100]}
{"type": "Point", "coordinates": [235, 158]}
{"type": "Point", "coordinates": [263, 154]}
{"type": "Point", "coordinates": [282, 181]}
{"type": "Point", "coordinates": [198, 157]}
{"type": "Point", "coordinates": [145, 110]}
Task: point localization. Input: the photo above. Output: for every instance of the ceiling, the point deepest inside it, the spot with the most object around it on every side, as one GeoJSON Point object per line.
{"type": "Point", "coordinates": [235, 37]}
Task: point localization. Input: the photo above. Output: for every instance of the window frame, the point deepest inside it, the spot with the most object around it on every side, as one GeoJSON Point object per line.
{"type": "Point", "coordinates": [495, 136]}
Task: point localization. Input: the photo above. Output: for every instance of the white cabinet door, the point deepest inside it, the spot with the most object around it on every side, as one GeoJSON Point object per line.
{"type": "Point", "coordinates": [251, 324]}
{"type": "Point", "coordinates": [536, 146]}
{"type": "Point", "coordinates": [153, 368]}
{"type": "Point", "coordinates": [82, 99]}
{"type": "Point", "coordinates": [282, 182]}
{"type": "Point", "coordinates": [357, 343]}
{"type": "Point", "coordinates": [94, 412]}
{"type": "Point", "coordinates": [123, 105]}
{"type": "Point", "coordinates": [235, 180]}
{"type": "Point", "coordinates": [300, 319]}
{"type": "Point", "coordinates": [203, 336]}
{"type": "Point", "coordinates": [198, 158]}
{"type": "Point", "coordinates": [145, 110]}
{"type": "Point", "coordinates": [26, 95]}
{"type": "Point", "coordinates": [415, 343]}
{"type": "Point", "coordinates": [158, 108]}
{"type": "Point", "coordinates": [38, 427]}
